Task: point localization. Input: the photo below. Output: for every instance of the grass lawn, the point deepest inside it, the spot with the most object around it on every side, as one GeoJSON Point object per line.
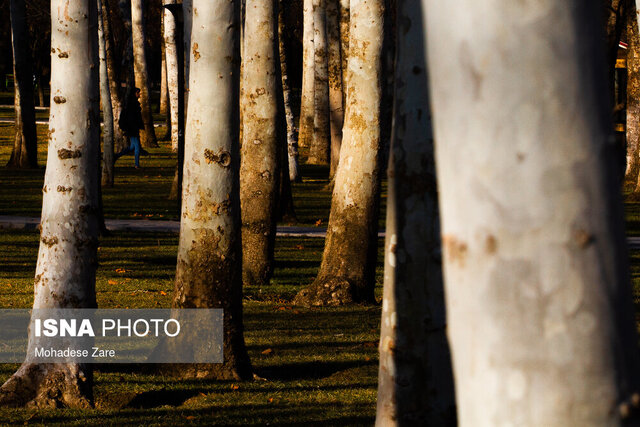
{"type": "Point", "coordinates": [319, 365]}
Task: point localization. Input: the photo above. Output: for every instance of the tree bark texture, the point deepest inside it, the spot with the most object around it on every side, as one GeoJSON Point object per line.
{"type": "Point", "coordinates": [67, 258]}
{"type": "Point", "coordinates": [187, 15]}
{"type": "Point", "coordinates": [259, 172]}
{"type": "Point", "coordinates": [208, 274]}
{"type": "Point", "coordinates": [164, 96]}
{"type": "Point", "coordinates": [25, 146]}
{"type": "Point", "coordinates": [536, 271]}
{"type": "Point", "coordinates": [305, 133]}
{"type": "Point", "coordinates": [148, 135]}
{"type": "Point", "coordinates": [292, 138]}
{"type": "Point", "coordinates": [336, 110]}
{"type": "Point", "coordinates": [320, 143]}
{"type": "Point", "coordinates": [415, 381]}
{"type": "Point", "coordinates": [171, 60]}
{"type": "Point", "coordinates": [107, 110]}
{"type": "Point", "coordinates": [344, 47]}
{"type": "Point", "coordinates": [348, 261]}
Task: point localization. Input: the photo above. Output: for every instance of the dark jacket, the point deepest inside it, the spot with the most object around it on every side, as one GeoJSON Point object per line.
{"type": "Point", "coordinates": [130, 120]}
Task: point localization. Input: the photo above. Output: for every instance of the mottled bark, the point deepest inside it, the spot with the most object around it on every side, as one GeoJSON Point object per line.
{"type": "Point", "coordinates": [187, 16]}
{"type": "Point", "coordinates": [25, 145]}
{"type": "Point", "coordinates": [336, 110]}
{"type": "Point", "coordinates": [171, 59]}
{"type": "Point", "coordinates": [105, 98]}
{"type": "Point", "coordinates": [259, 172]}
{"type": "Point", "coordinates": [415, 381]}
{"type": "Point", "coordinates": [292, 138]}
{"type": "Point", "coordinates": [305, 133]}
{"type": "Point", "coordinates": [633, 101]}
{"type": "Point", "coordinates": [148, 134]}
{"type": "Point", "coordinates": [67, 258]}
{"type": "Point", "coordinates": [537, 286]}
{"type": "Point", "coordinates": [348, 261]}
{"type": "Point", "coordinates": [163, 107]}
{"type": "Point", "coordinates": [320, 143]}
{"type": "Point", "coordinates": [208, 274]}
{"type": "Point", "coordinates": [344, 47]}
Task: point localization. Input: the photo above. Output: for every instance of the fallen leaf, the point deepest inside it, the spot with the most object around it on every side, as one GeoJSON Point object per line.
{"type": "Point", "coordinates": [112, 282]}
{"type": "Point", "coordinates": [190, 417]}
{"type": "Point", "coordinates": [234, 387]}
{"type": "Point", "coordinates": [202, 394]}
{"type": "Point", "coordinates": [367, 358]}
{"type": "Point", "coordinates": [299, 247]}
{"type": "Point", "coordinates": [270, 400]}
{"type": "Point", "coordinates": [163, 293]}
{"type": "Point", "coordinates": [318, 222]}
{"type": "Point", "coordinates": [267, 351]}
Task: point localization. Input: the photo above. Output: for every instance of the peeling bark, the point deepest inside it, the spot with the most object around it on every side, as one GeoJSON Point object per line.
{"type": "Point", "coordinates": [320, 143]}
{"type": "Point", "coordinates": [208, 274]}
{"type": "Point", "coordinates": [415, 380]}
{"type": "Point", "coordinates": [259, 172]}
{"type": "Point", "coordinates": [107, 111]}
{"type": "Point", "coordinates": [25, 146]}
{"type": "Point", "coordinates": [148, 134]}
{"type": "Point", "coordinates": [336, 110]}
{"type": "Point", "coordinates": [67, 258]}
{"type": "Point", "coordinates": [349, 257]}
{"type": "Point", "coordinates": [539, 309]}
{"type": "Point", "coordinates": [305, 133]}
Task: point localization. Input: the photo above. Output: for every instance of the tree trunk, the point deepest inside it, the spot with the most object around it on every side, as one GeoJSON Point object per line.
{"type": "Point", "coordinates": [187, 14]}
{"type": "Point", "coordinates": [208, 274]}
{"type": "Point", "coordinates": [148, 135]}
{"type": "Point", "coordinates": [292, 138]}
{"type": "Point", "coordinates": [259, 171]}
{"type": "Point", "coordinates": [320, 143]}
{"type": "Point", "coordinates": [537, 287]}
{"type": "Point", "coordinates": [344, 48]}
{"type": "Point", "coordinates": [25, 146]}
{"type": "Point", "coordinates": [163, 107]}
{"type": "Point", "coordinates": [119, 139]}
{"type": "Point", "coordinates": [347, 272]}
{"type": "Point", "coordinates": [305, 133]}
{"type": "Point", "coordinates": [415, 381]}
{"type": "Point", "coordinates": [171, 58]}
{"type": "Point", "coordinates": [41, 83]}
{"type": "Point", "coordinates": [67, 259]}
{"type": "Point", "coordinates": [633, 98]}
{"type": "Point", "coordinates": [335, 83]}
{"type": "Point", "coordinates": [107, 111]}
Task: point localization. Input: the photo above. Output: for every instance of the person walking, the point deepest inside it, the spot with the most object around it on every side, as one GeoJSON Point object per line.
{"type": "Point", "coordinates": [131, 122]}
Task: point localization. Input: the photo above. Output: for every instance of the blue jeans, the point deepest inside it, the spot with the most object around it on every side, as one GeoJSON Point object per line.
{"type": "Point", "coordinates": [134, 145]}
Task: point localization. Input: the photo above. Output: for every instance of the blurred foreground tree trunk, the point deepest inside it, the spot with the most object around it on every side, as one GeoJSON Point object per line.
{"type": "Point", "coordinates": [347, 272]}
{"type": "Point", "coordinates": [67, 258]}
{"type": "Point", "coordinates": [208, 274]}
{"type": "Point", "coordinates": [25, 146]}
{"type": "Point", "coordinates": [148, 135]}
{"type": "Point", "coordinates": [539, 306]}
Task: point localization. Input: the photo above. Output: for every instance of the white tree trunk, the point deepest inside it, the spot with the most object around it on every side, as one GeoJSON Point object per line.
{"type": "Point", "coordinates": [305, 132]}
{"type": "Point", "coordinates": [67, 258]}
{"type": "Point", "coordinates": [292, 138]}
{"type": "Point", "coordinates": [208, 274]}
{"type": "Point", "coordinates": [537, 285]}
{"type": "Point", "coordinates": [415, 381]}
{"type": "Point", "coordinates": [148, 135]}
{"type": "Point", "coordinates": [348, 261]}
{"type": "Point", "coordinates": [107, 110]}
{"type": "Point", "coordinates": [344, 48]}
{"type": "Point", "coordinates": [259, 155]}
{"type": "Point", "coordinates": [336, 111]}
{"type": "Point", "coordinates": [320, 143]}
{"type": "Point", "coordinates": [171, 60]}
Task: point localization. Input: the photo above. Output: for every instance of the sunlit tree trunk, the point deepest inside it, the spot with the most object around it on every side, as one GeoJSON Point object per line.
{"type": "Point", "coordinates": [208, 274]}
{"type": "Point", "coordinates": [259, 166]}
{"type": "Point", "coordinates": [348, 262]}
{"type": "Point", "coordinates": [25, 146]}
{"type": "Point", "coordinates": [187, 14]}
{"type": "Point", "coordinates": [336, 110]}
{"type": "Point", "coordinates": [67, 258]}
{"type": "Point", "coordinates": [344, 48]}
{"type": "Point", "coordinates": [415, 381]}
{"type": "Point", "coordinates": [148, 135]}
{"type": "Point", "coordinates": [105, 98]}
{"type": "Point", "coordinates": [119, 139]}
{"type": "Point", "coordinates": [633, 102]}
{"type": "Point", "coordinates": [536, 269]}
{"type": "Point", "coordinates": [319, 150]}
{"type": "Point", "coordinates": [171, 59]}
{"type": "Point", "coordinates": [292, 138]}
{"type": "Point", "coordinates": [305, 133]}
{"type": "Point", "coordinates": [163, 108]}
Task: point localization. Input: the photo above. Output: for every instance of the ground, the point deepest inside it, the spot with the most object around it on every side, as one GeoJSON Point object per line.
{"type": "Point", "coordinates": [316, 365]}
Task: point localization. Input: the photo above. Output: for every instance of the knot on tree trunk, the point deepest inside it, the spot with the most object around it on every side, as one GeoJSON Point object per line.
{"type": "Point", "coordinates": [330, 292]}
